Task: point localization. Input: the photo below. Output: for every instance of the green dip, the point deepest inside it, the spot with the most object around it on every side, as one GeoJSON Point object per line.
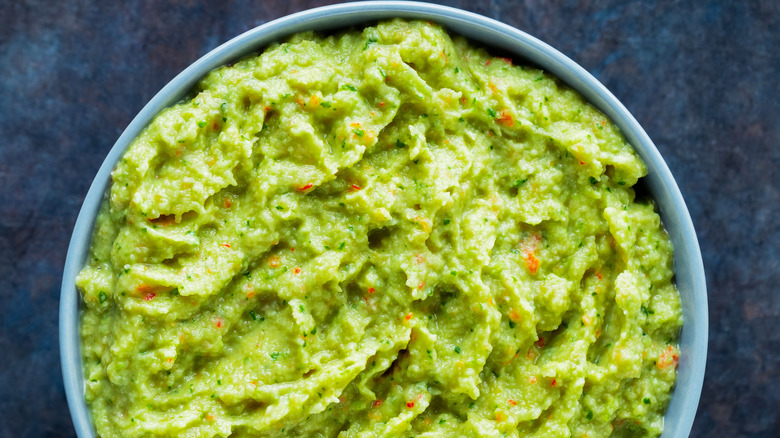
{"type": "Point", "coordinates": [379, 233]}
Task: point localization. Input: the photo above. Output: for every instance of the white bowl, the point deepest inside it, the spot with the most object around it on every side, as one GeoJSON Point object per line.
{"type": "Point", "coordinates": [483, 31]}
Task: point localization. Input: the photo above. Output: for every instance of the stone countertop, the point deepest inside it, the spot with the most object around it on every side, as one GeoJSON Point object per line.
{"type": "Point", "coordinates": [701, 77]}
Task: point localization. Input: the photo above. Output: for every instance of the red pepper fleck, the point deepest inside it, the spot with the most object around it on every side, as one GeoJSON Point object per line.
{"type": "Point", "coordinates": [355, 187]}
{"type": "Point", "coordinates": [554, 382]}
{"type": "Point", "coordinates": [598, 274]}
{"type": "Point", "coordinates": [531, 261]}
{"type": "Point", "coordinates": [371, 290]}
{"type": "Point", "coordinates": [292, 248]}
{"type": "Point", "coordinates": [150, 296]}
{"type": "Point", "coordinates": [488, 62]}
{"type": "Point", "coordinates": [512, 402]}
{"type": "Point", "coordinates": [381, 104]}
{"type": "Point", "coordinates": [297, 270]}
{"type": "Point", "coordinates": [225, 245]}
{"type": "Point", "coordinates": [582, 162]}
{"type": "Point", "coordinates": [506, 118]}
{"type": "Point", "coordinates": [219, 323]}
{"type": "Point", "coordinates": [215, 126]}
{"type": "Point", "coordinates": [410, 404]}
{"type": "Point", "coordinates": [507, 60]}
{"type": "Point", "coordinates": [306, 187]}
{"type": "Point", "coordinates": [377, 403]}
{"type": "Point", "coordinates": [668, 357]}
{"type": "Point", "coordinates": [409, 316]}
{"type": "Point", "coordinates": [540, 343]}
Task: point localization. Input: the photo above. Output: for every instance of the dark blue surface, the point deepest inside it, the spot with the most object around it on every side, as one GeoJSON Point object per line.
{"type": "Point", "coordinates": [701, 77]}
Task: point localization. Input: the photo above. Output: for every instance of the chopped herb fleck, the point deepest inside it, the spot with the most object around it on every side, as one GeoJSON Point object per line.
{"type": "Point", "coordinates": [369, 42]}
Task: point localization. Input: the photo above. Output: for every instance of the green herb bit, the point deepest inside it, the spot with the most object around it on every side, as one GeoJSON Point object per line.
{"type": "Point", "coordinates": [368, 43]}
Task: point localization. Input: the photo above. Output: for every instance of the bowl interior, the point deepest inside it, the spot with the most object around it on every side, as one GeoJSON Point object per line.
{"type": "Point", "coordinates": [483, 31]}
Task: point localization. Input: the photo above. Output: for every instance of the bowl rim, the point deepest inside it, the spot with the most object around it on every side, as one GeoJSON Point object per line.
{"type": "Point", "coordinates": [689, 269]}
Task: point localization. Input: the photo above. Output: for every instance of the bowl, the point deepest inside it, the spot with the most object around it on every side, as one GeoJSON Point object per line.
{"type": "Point", "coordinates": [659, 181]}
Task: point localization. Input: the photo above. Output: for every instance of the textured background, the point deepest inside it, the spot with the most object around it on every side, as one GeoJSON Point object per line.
{"type": "Point", "coordinates": [701, 77]}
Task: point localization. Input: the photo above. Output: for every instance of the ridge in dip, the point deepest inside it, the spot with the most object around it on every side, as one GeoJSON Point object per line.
{"type": "Point", "coordinates": [383, 232]}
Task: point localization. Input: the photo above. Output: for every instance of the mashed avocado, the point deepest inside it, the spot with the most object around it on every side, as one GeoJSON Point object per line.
{"type": "Point", "coordinates": [384, 232]}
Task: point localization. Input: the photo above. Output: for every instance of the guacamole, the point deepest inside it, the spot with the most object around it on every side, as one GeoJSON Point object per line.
{"type": "Point", "coordinates": [384, 232]}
